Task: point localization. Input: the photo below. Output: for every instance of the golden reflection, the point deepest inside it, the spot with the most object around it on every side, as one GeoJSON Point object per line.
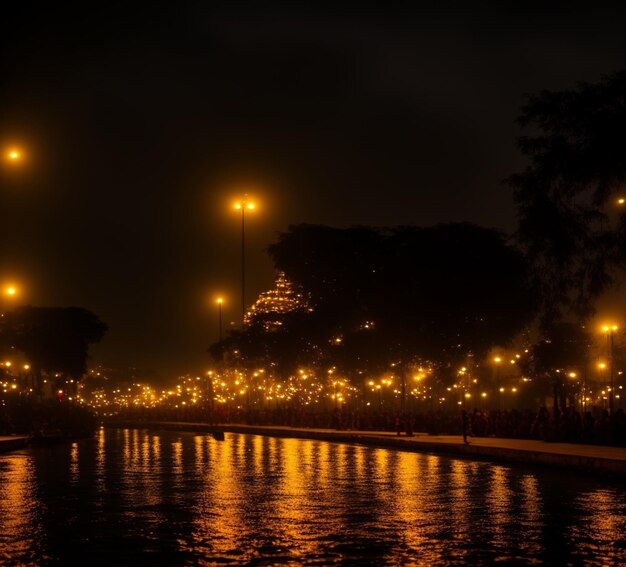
{"type": "Point", "coordinates": [291, 485]}
{"type": "Point", "coordinates": [359, 462]}
{"type": "Point", "coordinates": [199, 448]}
{"type": "Point", "coordinates": [156, 449]}
{"type": "Point", "coordinates": [144, 451]}
{"type": "Point", "coordinates": [252, 499]}
{"type": "Point", "coordinates": [324, 469]}
{"type": "Point", "coordinates": [257, 453]}
{"type": "Point", "coordinates": [18, 505]}
{"type": "Point", "coordinates": [433, 466]}
{"type": "Point", "coordinates": [381, 457]}
{"type": "Point", "coordinates": [532, 499]}
{"type": "Point", "coordinates": [219, 522]}
{"type": "Point", "coordinates": [499, 503]}
{"type": "Point", "coordinates": [135, 453]}
{"type": "Point", "coordinates": [460, 487]}
{"type": "Point", "coordinates": [100, 470]}
{"type": "Point", "coordinates": [177, 457]}
{"type": "Point", "coordinates": [294, 488]}
{"type": "Point", "coordinates": [127, 449]}
{"type": "Point", "coordinates": [305, 451]}
{"type": "Point", "coordinates": [603, 523]}
{"type": "Point", "coordinates": [74, 463]}
{"type": "Point", "coordinates": [410, 504]}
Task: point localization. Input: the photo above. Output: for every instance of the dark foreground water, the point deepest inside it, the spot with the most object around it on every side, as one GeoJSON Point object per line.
{"type": "Point", "coordinates": [132, 497]}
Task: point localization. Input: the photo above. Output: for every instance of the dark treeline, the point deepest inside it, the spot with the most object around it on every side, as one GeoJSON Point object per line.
{"type": "Point", "coordinates": [445, 295]}
{"type": "Point", "coordinates": [54, 342]}
{"type": "Point", "coordinates": [389, 296]}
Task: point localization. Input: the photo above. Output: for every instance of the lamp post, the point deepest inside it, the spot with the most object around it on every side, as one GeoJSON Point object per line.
{"type": "Point", "coordinates": [242, 206]}
{"type": "Point", "coordinates": [602, 368]}
{"type": "Point", "coordinates": [497, 360]}
{"type": "Point", "coordinates": [219, 310]}
{"type": "Point", "coordinates": [609, 330]}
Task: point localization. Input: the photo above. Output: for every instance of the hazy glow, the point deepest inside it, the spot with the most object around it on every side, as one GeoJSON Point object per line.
{"type": "Point", "coordinates": [10, 290]}
{"type": "Point", "coordinates": [13, 154]}
{"type": "Point", "coordinates": [249, 206]}
{"type": "Point", "coordinates": [245, 203]}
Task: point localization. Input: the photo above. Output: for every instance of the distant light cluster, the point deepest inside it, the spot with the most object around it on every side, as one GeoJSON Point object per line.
{"type": "Point", "coordinates": [286, 297]}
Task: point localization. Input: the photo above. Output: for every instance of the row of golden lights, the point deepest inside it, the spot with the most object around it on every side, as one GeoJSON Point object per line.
{"type": "Point", "coordinates": [374, 386]}
{"type": "Point", "coordinates": [234, 386]}
{"type": "Point", "coordinates": [192, 392]}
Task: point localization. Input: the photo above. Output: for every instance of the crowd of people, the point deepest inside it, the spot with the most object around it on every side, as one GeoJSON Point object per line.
{"type": "Point", "coordinates": [567, 425]}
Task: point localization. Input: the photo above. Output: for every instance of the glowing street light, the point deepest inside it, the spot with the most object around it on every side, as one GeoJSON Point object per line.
{"type": "Point", "coordinates": [242, 206]}
{"type": "Point", "coordinates": [13, 155]}
{"type": "Point", "coordinates": [9, 292]}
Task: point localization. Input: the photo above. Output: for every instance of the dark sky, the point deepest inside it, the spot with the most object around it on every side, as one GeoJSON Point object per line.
{"type": "Point", "coordinates": [141, 125]}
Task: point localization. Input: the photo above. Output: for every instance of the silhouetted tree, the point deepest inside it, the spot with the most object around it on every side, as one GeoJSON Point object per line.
{"type": "Point", "coordinates": [577, 153]}
{"type": "Point", "coordinates": [54, 339]}
{"type": "Point", "coordinates": [383, 296]}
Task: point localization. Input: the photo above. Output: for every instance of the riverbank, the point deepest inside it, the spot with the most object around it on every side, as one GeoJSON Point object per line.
{"type": "Point", "coordinates": [13, 442]}
{"type": "Point", "coordinates": [583, 458]}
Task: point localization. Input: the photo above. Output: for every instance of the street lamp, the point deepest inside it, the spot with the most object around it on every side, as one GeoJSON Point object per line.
{"type": "Point", "coordinates": [219, 309]}
{"type": "Point", "coordinates": [242, 206]}
{"type": "Point", "coordinates": [13, 155]}
{"type": "Point", "coordinates": [601, 369]}
{"type": "Point", "coordinates": [609, 330]}
{"type": "Point", "coordinates": [9, 292]}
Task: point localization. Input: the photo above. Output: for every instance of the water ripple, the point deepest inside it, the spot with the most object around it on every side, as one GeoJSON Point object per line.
{"type": "Point", "coordinates": [136, 497]}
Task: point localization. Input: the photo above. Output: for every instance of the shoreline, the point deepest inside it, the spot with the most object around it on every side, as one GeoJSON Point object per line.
{"type": "Point", "coordinates": [13, 442]}
{"type": "Point", "coordinates": [593, 459]}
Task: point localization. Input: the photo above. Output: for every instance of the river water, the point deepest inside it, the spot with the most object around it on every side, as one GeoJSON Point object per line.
{"type": "Point", "coordinates": [131, 497]}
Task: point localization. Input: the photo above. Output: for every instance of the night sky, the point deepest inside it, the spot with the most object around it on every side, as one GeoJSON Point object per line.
{"type": "Point", "coordinates": [141, 126]}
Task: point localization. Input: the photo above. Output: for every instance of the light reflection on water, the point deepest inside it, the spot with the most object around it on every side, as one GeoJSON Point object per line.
{"type": "Point", "coordinates": [135, 497]}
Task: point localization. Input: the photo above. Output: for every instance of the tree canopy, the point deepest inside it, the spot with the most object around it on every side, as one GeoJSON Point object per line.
{"type": "Point", "coordinates": [569, 223]}
{"type": "Point", "coordinates": [54, 339]}
{"type": "Point", "coordinates": [395, 295]}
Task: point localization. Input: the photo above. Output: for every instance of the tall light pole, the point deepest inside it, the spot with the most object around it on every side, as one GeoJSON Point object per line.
{"type": "Point", "coordinates": [601, 369]}
{"type": "Point", "coordinates": [242, 206]}
{"type": "Point", "coordinates": [497, 360]}
{"type": "Point", "coordinates": [609, 330]}
{"type": "Point", "coordinates": [219, 309]}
